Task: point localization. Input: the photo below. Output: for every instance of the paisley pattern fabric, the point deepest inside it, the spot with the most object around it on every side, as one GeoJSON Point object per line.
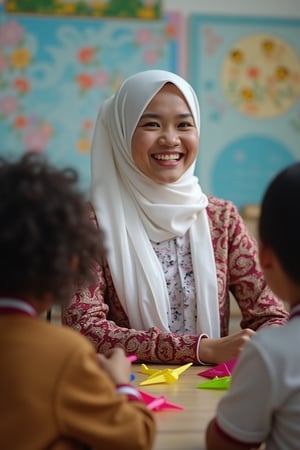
{"type": "Point", "coordinates": [97, 313]}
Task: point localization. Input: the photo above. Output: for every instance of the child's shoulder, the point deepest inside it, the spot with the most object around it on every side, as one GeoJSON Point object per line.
{"type": "Point", "coordinates": [275, 341]}
{"type": "Point", "coordinates": [65, 337]}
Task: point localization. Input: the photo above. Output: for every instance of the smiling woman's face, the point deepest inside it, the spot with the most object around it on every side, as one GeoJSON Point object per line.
{"type": "Point", "coordinates": [165, 141]}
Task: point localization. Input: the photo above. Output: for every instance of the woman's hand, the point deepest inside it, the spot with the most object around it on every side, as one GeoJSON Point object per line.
{"type": "Point", "coordinates": [116, 365]}
{"type": "Point", "coordinates": [217, 351]}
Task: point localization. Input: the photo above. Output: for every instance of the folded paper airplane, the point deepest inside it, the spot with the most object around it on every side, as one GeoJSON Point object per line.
{"type": "Point", "coordinates": [162, 376]}
{"type": "Point", "coordinates": [221, 370]}
{"type": "Point", "coordinates": [158, 403]}
{"type": "Point", "coordinates": [216, 383]}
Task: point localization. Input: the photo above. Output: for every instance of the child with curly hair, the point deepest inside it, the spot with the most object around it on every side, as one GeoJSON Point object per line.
{"type": "Point", "coordinates": [56, 392]}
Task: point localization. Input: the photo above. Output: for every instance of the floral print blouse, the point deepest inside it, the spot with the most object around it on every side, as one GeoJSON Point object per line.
{"type": "Point", "coordinates": [96, 311]}
{"type": "Point", "coordinates": [176, 261]}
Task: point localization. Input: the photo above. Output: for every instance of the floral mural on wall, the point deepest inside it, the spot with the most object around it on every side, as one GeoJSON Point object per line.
{"type": "Point", "coordinates": [16, 59]}
{"type": "Point", "coordinates": [55, 72]}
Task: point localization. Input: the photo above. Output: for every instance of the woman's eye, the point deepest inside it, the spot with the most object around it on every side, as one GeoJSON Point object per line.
{"type": "Point", "coordinates": [151, 124]}
{"type": "Point", "coordinates": [185, 125]}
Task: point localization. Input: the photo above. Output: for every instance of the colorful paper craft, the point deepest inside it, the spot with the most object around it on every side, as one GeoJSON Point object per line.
{"type": "Point", "coordinates": [221, 370]}
{"type": "Point", "coordinates": [158, 403]}
{"type": "Point", "coordinates": [162, 376]}
{"type": "Point", "coordinates": [216, 383]}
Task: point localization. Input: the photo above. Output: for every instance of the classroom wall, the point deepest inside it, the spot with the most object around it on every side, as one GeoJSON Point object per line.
{"type": "Point", "coordinates": [56, 71]}
{"type": "Point", "coordinates": [243, 142]}
{"type": "Point", "coordinates": [274, 8]}
{"type": "Point", "coordinates": [288, 8]}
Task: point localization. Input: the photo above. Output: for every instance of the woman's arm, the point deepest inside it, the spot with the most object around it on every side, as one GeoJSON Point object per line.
{"type": "Point", "coordinates": [91, 316]}
{"type": "Point", "coordinates": [88, 313]}
{"type": "Point", "coordinates": [238, 270]}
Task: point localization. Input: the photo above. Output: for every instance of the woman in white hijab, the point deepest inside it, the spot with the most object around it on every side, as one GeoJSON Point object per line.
{"type": "Point", "coordinates": [173, 253]}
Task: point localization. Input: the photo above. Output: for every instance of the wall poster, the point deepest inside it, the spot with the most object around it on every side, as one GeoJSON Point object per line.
{"type": "Point", "coordinates": [55, 72]}
{"type": "Point", "coordinates": [246, 72]}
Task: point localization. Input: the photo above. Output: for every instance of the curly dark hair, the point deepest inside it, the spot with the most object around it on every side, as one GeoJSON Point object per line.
{"type": "Point", "coordinates": [44, 227]}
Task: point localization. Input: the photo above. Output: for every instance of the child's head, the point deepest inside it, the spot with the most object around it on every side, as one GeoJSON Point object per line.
{"type": "Point", "coordinates": [280, 220]}
{"type": "Point", "coordinates": [47, 242]}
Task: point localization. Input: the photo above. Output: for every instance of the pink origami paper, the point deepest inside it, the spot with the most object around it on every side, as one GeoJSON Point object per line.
{"type": "Point", "coordinates": [158, 403]}
{"type": "Point", "coordinates": [221, 370]}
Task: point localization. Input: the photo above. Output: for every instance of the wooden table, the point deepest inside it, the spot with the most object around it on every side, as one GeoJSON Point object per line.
{"type": "Point", "coordinates": [182, 430]}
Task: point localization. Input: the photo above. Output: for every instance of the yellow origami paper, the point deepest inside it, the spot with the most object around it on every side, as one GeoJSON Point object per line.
{"type": "Point", "coordinates": [162, 376]}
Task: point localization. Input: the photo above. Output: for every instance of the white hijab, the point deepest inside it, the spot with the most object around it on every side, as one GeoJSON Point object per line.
{"type": "Point", "coordinates": [132, 210]}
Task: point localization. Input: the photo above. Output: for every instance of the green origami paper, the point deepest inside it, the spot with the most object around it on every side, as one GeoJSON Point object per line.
{"type": "Point", "coordinates": [216, 383]}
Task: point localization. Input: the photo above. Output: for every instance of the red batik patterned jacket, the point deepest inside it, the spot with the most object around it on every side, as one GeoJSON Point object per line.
{"type": "Point", "coordinates": [97, 313]}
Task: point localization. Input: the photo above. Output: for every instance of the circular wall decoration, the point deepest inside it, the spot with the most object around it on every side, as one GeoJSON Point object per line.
{"type": "Point", "coordinates": [260, 76]}
{"type": "Point", "coordinates": [245, 166]}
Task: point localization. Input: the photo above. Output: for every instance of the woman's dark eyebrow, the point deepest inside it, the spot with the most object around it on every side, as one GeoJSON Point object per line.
{"type": "Point", "coordinates": [149, 116]}
{"type": "Point", "coordinates": [155, 116]}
